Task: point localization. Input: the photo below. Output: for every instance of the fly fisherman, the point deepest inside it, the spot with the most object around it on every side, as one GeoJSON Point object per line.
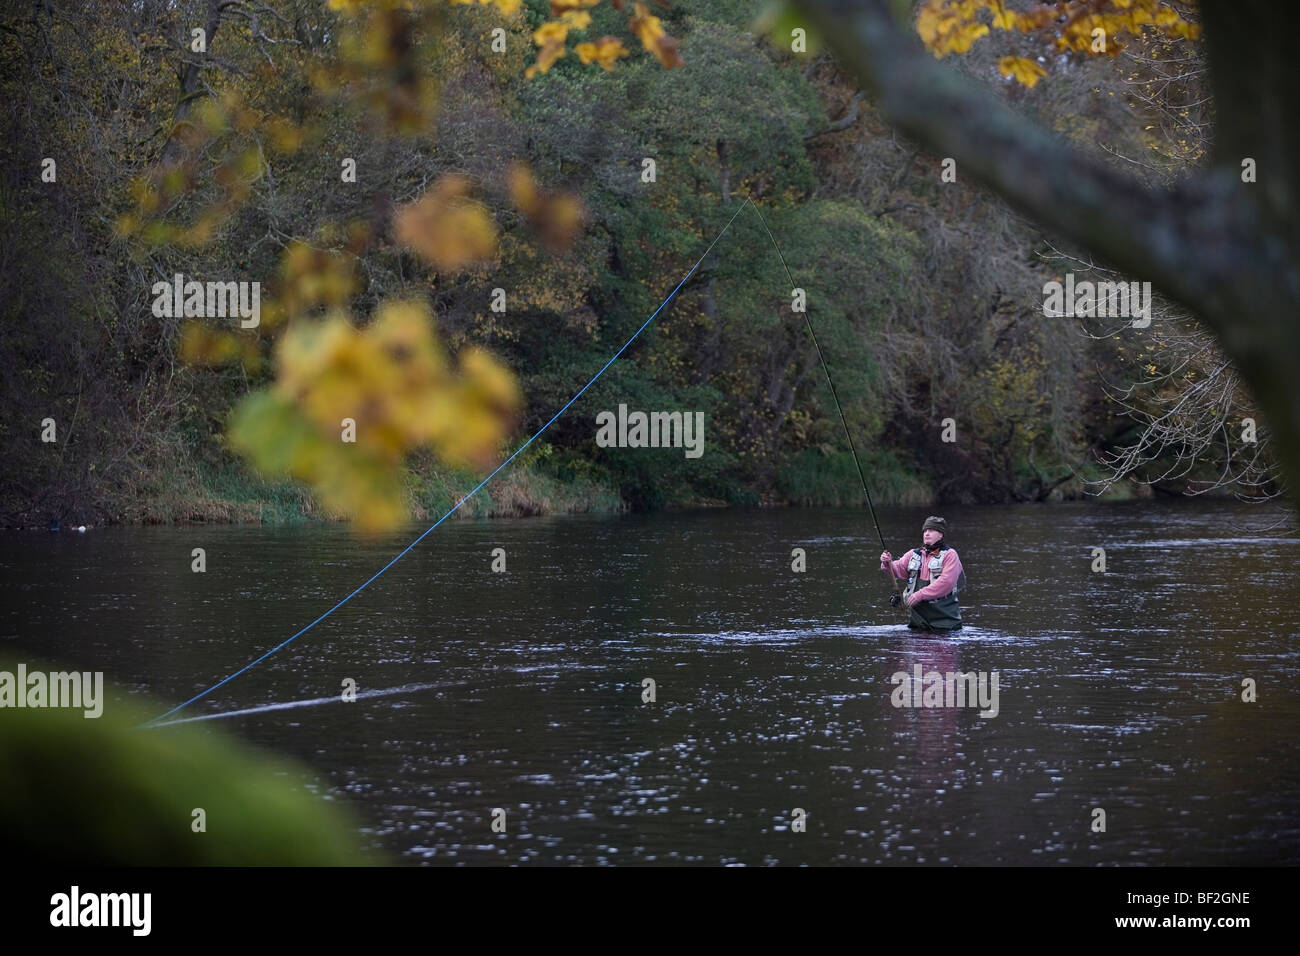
{"type": "Point", "coordinates": [934, 577]}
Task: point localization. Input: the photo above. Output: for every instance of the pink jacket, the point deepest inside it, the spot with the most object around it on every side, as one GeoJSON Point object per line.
{"type": "Point", "coordinates": [942, 585]}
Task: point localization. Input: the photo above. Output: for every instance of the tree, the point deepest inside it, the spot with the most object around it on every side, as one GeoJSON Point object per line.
{"type": "Point", "coordinates": [1226, 248]}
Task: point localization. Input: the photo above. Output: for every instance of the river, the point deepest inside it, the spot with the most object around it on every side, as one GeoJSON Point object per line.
{"type": "Point", "coordinates": [773, 689]}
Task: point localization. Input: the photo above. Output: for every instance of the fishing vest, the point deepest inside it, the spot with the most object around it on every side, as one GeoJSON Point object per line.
{"type": "Point", "coordinates": [941, 613]}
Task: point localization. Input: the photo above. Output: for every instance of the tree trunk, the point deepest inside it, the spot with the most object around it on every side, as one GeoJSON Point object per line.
{"type": "Point", "coordinates": [189, 81]}
{"type": "Point", "coordinates": [710, 348]}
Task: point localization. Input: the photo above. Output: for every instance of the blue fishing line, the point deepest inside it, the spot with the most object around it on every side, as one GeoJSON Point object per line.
{"type": "Point", "coordinates": [456, 506]}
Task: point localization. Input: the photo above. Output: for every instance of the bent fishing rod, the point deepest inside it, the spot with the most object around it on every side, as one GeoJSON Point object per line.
{"type": "Point", "coordinates": [895, 597]}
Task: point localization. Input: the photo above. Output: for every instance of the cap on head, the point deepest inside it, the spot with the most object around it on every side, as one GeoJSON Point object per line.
{"type": "Point", "coordinates": [937, 524]}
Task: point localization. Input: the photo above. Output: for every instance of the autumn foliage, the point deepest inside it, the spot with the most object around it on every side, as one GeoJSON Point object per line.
{"type": "Point", "coordinates": [496, 151]}
{"type": "Point", "coordinates": [351, 400]}
{"type": "Point", "coordinates": [393, 383]}
{"type": "Point", "coordinates": [1081, 26]}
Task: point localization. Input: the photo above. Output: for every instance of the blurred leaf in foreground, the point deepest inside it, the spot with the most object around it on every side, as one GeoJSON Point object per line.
{"type": "Point", "coordinates": [98, 791]}
{"type": "Point", "coordinates": [447, 228]}
{"type": "Point", "coordinates": [349, 405]}
{"type": "Point", "coordinates": [555, 218]}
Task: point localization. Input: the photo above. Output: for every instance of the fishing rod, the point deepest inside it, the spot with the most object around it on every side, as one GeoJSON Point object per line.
{"type": "Point", "coordinates": [895, 597]}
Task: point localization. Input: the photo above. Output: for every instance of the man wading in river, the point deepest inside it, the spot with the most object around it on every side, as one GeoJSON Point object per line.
{"type": "Point", "coordinates": [934, 578]}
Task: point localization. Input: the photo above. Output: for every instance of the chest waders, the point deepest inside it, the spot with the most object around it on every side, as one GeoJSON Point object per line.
{"type": "Point", "coordinates": [938, 614]}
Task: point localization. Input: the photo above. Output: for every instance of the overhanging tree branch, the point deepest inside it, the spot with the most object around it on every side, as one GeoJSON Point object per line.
{"type": "Point", "coordinates": [844, 122]}
{"type": "Point", "coordinates": [1214, 243]}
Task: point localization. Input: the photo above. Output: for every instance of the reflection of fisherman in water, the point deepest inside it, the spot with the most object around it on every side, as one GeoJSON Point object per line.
{"type": "Point", "coordinates": [933, 736]}
{"type": "Point", "coordinates": [934, 578]}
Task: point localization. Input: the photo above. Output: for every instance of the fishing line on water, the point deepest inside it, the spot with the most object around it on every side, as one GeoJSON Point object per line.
{"type": "Point", "coordinates": [456, 507]}
{"type": "Point", "coordinates": [295, 704]}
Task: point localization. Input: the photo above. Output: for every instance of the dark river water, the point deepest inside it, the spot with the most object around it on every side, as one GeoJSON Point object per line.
{"type": "Point", "coordinates": [523, 690]}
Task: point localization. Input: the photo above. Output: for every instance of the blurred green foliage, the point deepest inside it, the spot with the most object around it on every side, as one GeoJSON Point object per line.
{"type": "Point", "coordinates": [103, 791]}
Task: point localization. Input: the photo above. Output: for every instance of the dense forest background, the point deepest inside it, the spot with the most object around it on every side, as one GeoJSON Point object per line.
{"type": "Point", "coordinates": [927, 295]}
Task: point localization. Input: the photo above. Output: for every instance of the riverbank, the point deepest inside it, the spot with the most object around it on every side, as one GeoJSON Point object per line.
{"type": "Point", "coordinates": [233, 495]}
{"type": "Point", "coordinates": [223, 491]}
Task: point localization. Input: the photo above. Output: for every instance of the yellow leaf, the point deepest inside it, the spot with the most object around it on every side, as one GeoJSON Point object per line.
{"type": "Point", "coordinates": [546, 58]}
{"type": "Point", "coordinates": [523, 188]}
{"type": "Point", "coordinates": [447, 229]}
{"type": "Point", "coordinates": [555, 218]}
{"type": "Point", "coordinates": [577, 19]}
{"type": "Point", "coordinates": [1025, 71]}
{"type": "Point", "coordinates": [945, 27]}
{"type": "Point", "coordinates": [1003, 19]}
{"type": "Point", "coordinates": [203, 345]}
{"type": "Point", "coordinates": [505, 6]}
{"type": "Point", "coordinates": [552, 31]}
{"type": "Point", "coordinates": [605, 51]}
{"type": "Point", "coordinates": [395, 384]}
{"type": "Point", "coordinates": [560, 6]}
{"type": "Point", "coordinates": [650, 32]}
